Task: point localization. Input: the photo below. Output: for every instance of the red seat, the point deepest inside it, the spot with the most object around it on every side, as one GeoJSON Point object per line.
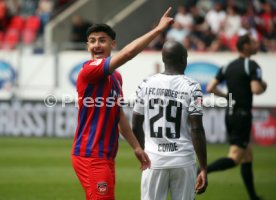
{"type": "Point", "coordinates": [1, 37]}
{"type": "Point", "coordinates": [11, 39]}
{"type": "Point", "coordinates": [33, 23]}
{"type": "Point", "coordinates": [30, 30]}
{"type": "Point", "coordinates": [17, 22]}
{"type": "Point", "coordinates": [28, 36]}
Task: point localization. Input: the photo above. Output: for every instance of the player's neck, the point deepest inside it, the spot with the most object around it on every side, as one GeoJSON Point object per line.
{"type": "Point", "coordinates": [244, 55]}
{"type": "Point", "coordinates": [172, 72]}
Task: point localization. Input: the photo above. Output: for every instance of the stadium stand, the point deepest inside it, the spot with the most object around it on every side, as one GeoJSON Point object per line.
{"type": "Point", "coordinates": [22, 22]}
{"type": "Point", "coordinates": [208, 25]}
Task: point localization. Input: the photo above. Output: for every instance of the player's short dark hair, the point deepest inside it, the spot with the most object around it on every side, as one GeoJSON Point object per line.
{"type": "Point", "coordinates": [242, 40]}
{"type": "Point", "coordinates": [174, 53]}
{"type": "Point", "coordinates": [101, 28]}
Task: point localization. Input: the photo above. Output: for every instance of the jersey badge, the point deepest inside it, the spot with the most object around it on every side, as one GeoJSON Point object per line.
{"type": "Point", "coordinates": [102, 187]}
{"type": "Point", "coordinates": [96, 62]}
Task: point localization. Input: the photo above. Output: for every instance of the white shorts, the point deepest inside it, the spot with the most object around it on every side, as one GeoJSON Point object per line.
{"type": "Point", "coordinates": [156, 183]}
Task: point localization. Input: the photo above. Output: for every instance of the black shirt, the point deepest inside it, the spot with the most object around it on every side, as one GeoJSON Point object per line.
{"type": "Point", "coordinates": [238, 75]}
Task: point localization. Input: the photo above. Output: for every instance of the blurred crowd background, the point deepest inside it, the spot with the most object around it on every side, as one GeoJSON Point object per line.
{"type": "Point", "coordinates": [201, 25]}
{"type": "Point", "coordinates": [24, 20]}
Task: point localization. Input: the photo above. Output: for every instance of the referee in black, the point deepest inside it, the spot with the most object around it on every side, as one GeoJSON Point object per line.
{"type": "Point", "coordinates": [243, 77]}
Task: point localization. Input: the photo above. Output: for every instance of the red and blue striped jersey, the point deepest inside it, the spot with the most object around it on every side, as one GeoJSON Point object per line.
{"type": "Point", "coordinates": [99, 113]}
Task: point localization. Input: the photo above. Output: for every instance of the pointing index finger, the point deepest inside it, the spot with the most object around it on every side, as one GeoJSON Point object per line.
{"type": "Point", "coordinates": [166, 14]}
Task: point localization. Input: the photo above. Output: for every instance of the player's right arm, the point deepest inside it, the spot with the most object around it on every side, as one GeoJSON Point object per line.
{"type": "Point", "coordinates": [136, 46]}
{"type": "Point", "coordinates": [131, 139]}
{"type": "Point", "coordinates": [212, 88]}
{"type": "Point", "coordinates": [212, 85]}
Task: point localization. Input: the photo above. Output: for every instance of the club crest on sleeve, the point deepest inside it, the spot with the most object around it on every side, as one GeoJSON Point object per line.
{"type": "Point", "coordinates": [96, 62]}
{"type": "Point", "coordinates": [199, 101]}
{"type": "Point", "coordinates": [102, 187]}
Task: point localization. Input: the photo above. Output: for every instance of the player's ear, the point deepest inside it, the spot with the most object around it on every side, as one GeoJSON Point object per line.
{"type": "Point", "coordinates": [113, 44]}
{"type": "Point", "coordinates": [87, 46]}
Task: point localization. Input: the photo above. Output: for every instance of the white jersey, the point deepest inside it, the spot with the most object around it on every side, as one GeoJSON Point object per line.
{"type": "Point", "coordinates": [166, 101]}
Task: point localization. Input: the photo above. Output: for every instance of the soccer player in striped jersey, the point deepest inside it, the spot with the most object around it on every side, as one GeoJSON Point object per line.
{"type": "Point", "coordinates": [170, 106]}
{"type": "Point", "coordinates": [99, 89]}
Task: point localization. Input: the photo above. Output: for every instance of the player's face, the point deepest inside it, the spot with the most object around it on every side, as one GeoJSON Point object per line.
{"type": "Point", "coordinates": [99, 44]}
{"type": "Point", "coordinates": [254, 46]}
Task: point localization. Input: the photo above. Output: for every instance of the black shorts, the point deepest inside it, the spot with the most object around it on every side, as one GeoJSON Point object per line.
{"type": "Point", "coordinates": [238, 125]}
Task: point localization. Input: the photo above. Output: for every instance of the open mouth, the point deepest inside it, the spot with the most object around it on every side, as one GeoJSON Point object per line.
{"type": "Point", "coordinates": [98, 53]}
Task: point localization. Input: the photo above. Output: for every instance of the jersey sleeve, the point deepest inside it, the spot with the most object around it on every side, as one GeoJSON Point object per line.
{"type": "Point", "coordinates": [255, 71]}
{"type": "Point", "coordinates": [96, 70]}
{"type": "Point", "coordinates": [195, 106]}
{"type": "Point", "coordinates": [120, 82]}
{"type": "Point", "coordinates": [139, 100]}
{"type": "Point", "coordinates": [220, 75]}
{"type": "Point", "coordinates": [119, 77]}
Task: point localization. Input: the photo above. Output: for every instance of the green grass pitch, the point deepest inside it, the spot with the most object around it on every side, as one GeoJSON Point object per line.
{"type": "Point", "coordinates": [40, 169]}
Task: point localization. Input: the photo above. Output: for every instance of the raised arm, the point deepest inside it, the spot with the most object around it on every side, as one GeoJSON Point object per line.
{"type": "Point", "coordinates": [199, 143]}
{"type": "Point", "coordinates": [136, 46]}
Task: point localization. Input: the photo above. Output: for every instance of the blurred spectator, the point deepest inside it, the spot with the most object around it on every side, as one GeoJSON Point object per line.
{"type": "Point", "coordinates": [13, 6]}
{"type": "Point", "coordinates": [44, 10]}
{"type": "Point", "coordinates": [215, 17]}
{"type": "Point", "coordinates": [183, 17]}
{"type": "Point", "coordinates": [190, 3]}
{"type": "Point", "coordinates": [177, 33]}
{"type": "Point", "coordinates": [78, 31]}
{"type": "Point", "coordinates": [248, 28]}
{"type": "Point", "coordinates": [205, 41]}
{"type": "Point", "coordinates": [269, 38]}
{"type": "Point", "coordinates": [197, 30]}
{"type": "Point", "coordinates": [5, 16]}
{"type": "Point", "coordinates": [28, 7]}
{"type": "Point", "coordinates": [266, 17]}
{"type": "Point", "coordinates": [232, 23]}
{"type": "Point", "coordinates": [273, 4]}
{"type": "Point", "coordinates": [230, 27]}
{"type": "Point", "coordinates": [204, 5]}
{"type": "Point", "coordinates": [250, 16]}
{"type": "Point", "coordinates": [60, 5]}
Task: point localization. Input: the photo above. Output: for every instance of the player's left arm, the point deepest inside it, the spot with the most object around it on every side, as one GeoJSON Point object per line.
{"type": "Point", "coordinates": [257, 84]}
{"type": "Point", "coordinates": [137, 127]}
{"type": "Point", "coordinates": [199, 143]}
{"type": "Point", "coordinates": [195, 111]}
{"type": "Point", "coordinates": [126, 131]}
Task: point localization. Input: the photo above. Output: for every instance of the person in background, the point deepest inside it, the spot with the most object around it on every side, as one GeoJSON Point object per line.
{"type": "Point", "coordinates": [243, 77]}
{"type": "Point", "coordinates": [78, 31]}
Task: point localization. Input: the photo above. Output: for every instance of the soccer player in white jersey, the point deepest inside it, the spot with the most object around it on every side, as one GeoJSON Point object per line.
{"type": "Point", "coordinates": [170, 106]}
